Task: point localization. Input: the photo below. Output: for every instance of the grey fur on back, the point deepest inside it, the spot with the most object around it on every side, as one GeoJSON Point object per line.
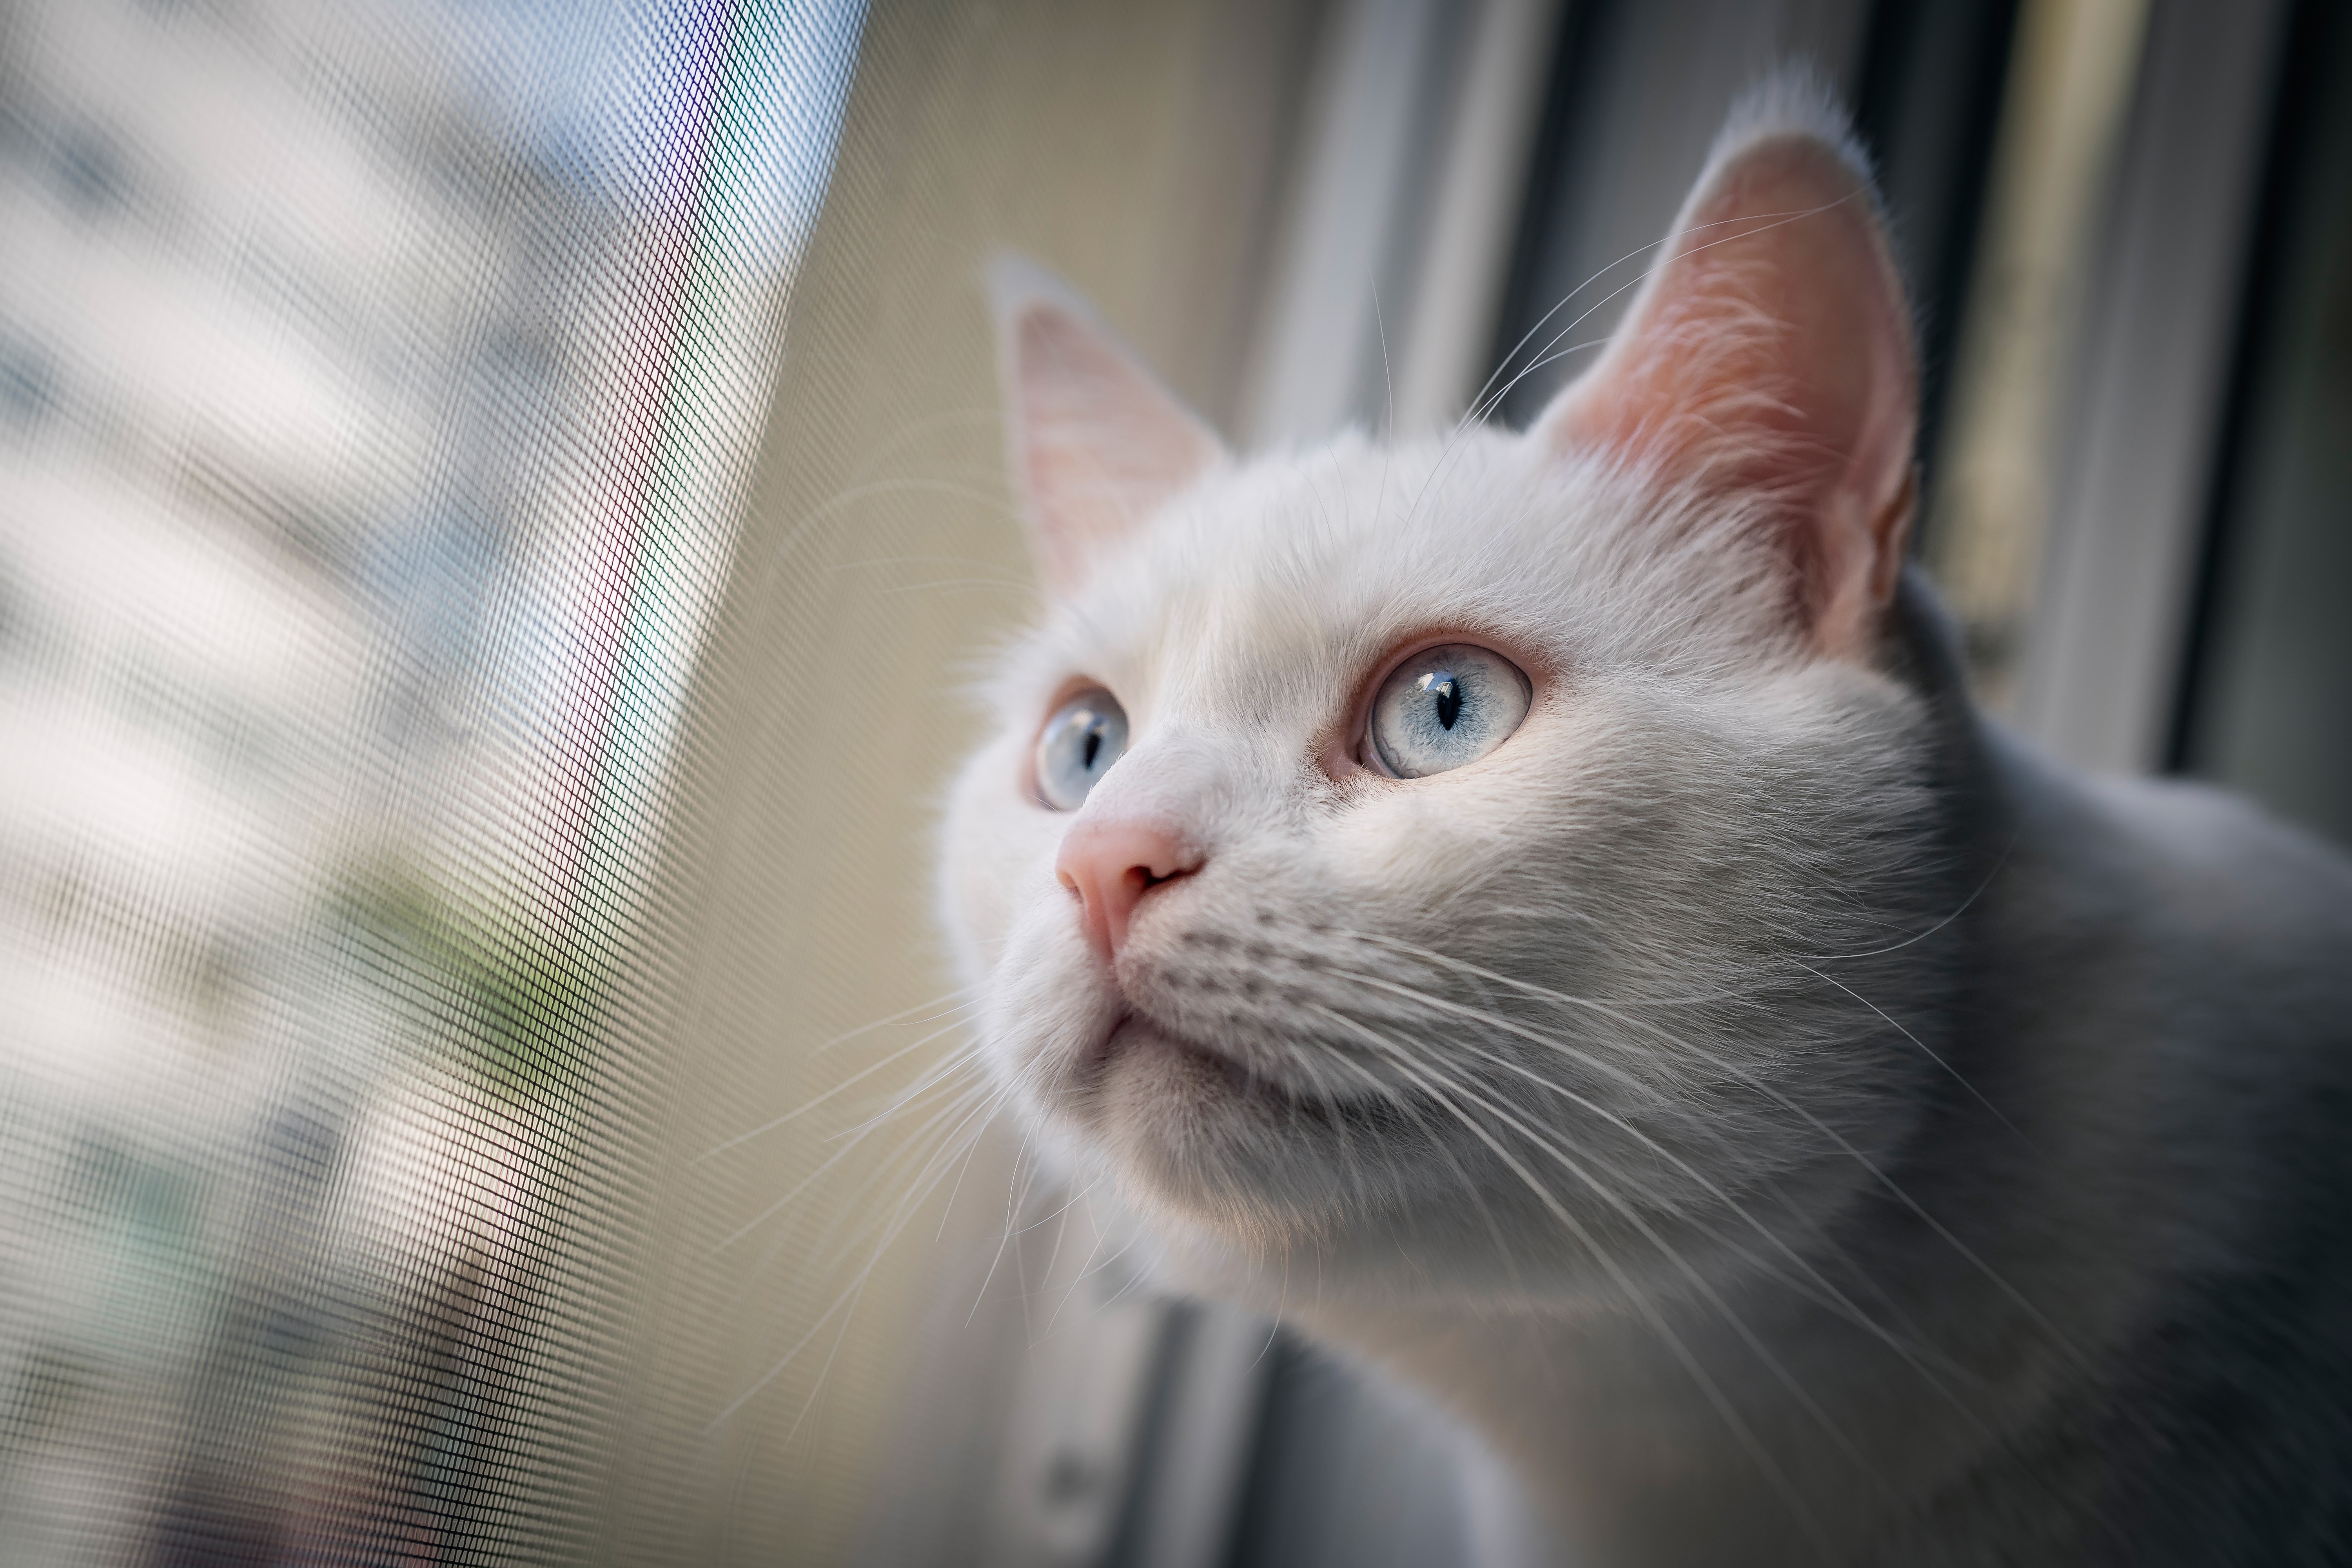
{"type": "Point", "coordinates": [2164, 976]}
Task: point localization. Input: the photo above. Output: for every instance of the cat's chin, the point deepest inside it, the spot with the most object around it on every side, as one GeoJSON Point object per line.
{"type": "Point", "coordinates": [1210, 1147]}
{"type": "Point", "coordinates": [1150, 1073]}
{"type": "Point", "coordinates": [1174, 1115]}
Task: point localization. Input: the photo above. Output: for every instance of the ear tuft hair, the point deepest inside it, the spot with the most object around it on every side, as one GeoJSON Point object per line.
{"type": "Point", "coordinates": [1796, 99]}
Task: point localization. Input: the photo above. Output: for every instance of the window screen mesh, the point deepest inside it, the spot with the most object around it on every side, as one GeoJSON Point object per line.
{"type": "Point", "coordinates": [379, 388]}
{"type": "Point", "coordinates": [497, 502]}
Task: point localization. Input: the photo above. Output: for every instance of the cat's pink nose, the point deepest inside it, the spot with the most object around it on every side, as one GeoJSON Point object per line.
{"type": "Point", "coordinates": [1112, 866]}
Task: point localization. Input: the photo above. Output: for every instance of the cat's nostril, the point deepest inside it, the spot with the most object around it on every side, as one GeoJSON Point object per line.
{"type": "Point", "coordinates": [1112, 865]}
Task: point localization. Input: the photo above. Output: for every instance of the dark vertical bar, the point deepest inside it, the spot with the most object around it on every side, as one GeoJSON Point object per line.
{"type": "Point", "coordinates": [2313, 45]}
{"type": "Point", "coordinates": [1935, 74]}
{"type": "Point", "coordinates": [1540, 213]}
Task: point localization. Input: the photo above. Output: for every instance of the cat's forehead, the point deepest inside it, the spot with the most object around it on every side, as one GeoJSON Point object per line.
{"type": "Point", "coordinates": [1289, 572]}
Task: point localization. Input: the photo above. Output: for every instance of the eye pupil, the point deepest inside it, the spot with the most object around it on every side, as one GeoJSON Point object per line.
{"type": "Point", "coordinates": [1449, 702]}
{"type": "Point", "coordinates": [1446, 707]}
{"type": "Point", "coordinates": [1084, 739]}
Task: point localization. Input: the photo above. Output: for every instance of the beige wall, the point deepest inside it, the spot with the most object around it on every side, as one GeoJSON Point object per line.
{"type": "Point", "coordinates": [1138, 148]}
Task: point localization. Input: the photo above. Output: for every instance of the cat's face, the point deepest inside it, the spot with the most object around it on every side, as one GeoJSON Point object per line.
{"type": "Point", "coordinates": [1422, 860]}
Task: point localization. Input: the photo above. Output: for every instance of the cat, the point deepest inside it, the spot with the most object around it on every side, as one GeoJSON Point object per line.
{"type": "Point", "coordinates": [1539, 911]}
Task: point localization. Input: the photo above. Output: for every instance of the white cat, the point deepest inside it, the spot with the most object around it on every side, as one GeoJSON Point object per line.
{"type": "Point", "coordinates": [1539, 911]}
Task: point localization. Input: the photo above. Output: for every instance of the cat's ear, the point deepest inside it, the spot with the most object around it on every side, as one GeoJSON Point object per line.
{"type": "Point", "coordinates": [1096, 443]}
{"type": "Point", "coordinates": [1770, 356]}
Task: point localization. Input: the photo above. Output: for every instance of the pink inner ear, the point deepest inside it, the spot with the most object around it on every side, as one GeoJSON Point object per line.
{"type": "Point", "coordinates": [1097, 445]}
{"type": "Point", "coordinates": [1769, 352]}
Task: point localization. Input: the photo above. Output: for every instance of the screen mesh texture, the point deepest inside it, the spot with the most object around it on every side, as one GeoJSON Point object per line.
{"type": "Point", "coordinates": [378, 391]}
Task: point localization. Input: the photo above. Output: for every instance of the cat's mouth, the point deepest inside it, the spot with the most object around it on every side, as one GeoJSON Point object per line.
{"type": "Point", "coordinates": [1189, 1122]}
{"type": "Point", "coordinates": [1139, 1043]}
{"type": "Point", "coordinates": [1134, 1033]}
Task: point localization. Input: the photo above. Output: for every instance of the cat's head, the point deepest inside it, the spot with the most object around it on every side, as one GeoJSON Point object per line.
{"type": "Point", "coordinates": [1455, 863]}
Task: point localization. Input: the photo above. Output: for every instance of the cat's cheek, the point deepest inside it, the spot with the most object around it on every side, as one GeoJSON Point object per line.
{"type": "Point", "coordinates": [1046, 1010]}
{"type": "Point", "coordinates": [997, 852]}
{"type": "Point", "coordinates": [1420, 844]}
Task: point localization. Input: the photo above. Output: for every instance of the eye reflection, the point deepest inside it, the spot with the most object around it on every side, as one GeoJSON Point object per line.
{"type": "Point", "coordinates": [1446, 707]}
{"type": "Point", "coordinates": [1448, 693]}
{"type": "Point", "coordinates": [1080, 742]}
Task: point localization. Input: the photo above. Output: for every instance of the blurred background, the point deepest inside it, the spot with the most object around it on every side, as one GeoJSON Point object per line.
{"type": "Point", "coordinates": [499, 501]}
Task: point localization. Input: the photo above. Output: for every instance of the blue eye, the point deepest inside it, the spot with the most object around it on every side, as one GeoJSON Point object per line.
{"type": "Point", "coordinates": [1082, 740]}
{"type": "Point", "coordinates": [1444, 707]}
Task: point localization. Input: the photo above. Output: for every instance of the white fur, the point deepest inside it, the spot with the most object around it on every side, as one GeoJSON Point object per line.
{"type": "Point", "coordinates": [1687, 799]}
{"type": "Point", "coordinates": [1610, 1088]}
